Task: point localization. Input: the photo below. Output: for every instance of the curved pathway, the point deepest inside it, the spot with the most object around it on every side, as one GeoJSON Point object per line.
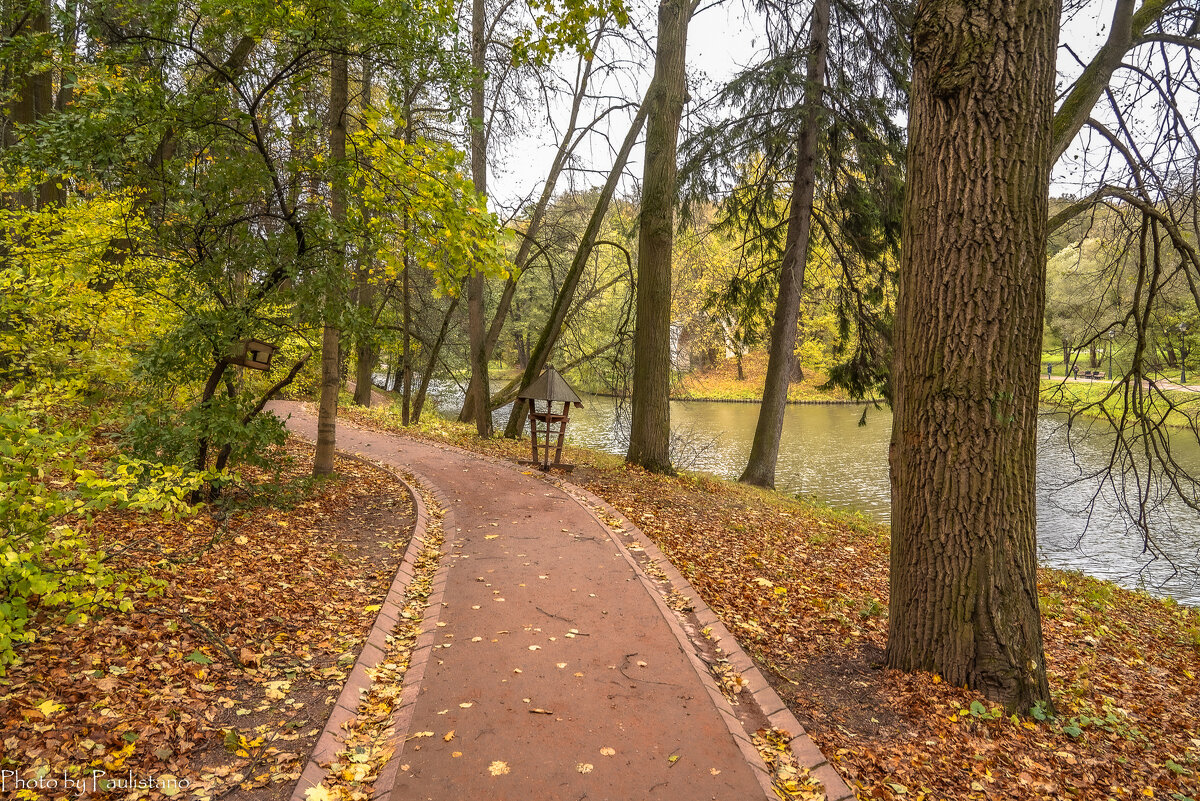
{"type": "Point", "coordinates": [558, 676]}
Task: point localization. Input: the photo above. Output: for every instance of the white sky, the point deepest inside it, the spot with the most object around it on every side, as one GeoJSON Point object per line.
{"type": "Point", "coordinates": [721, 39]}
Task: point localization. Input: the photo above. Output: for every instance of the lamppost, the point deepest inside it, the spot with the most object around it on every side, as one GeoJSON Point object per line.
{"type": "Point", "coordinates": [1112, 336]}
{"type": "Point", "coordinates": [1183, 354]}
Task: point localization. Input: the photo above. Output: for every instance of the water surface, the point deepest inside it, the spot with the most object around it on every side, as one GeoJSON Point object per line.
{"type": "Point", "coordinates": [827, 456]}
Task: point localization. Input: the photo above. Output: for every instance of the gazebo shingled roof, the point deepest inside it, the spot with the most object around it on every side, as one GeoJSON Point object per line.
{"type": "Point", "coordinates": [551, 386]}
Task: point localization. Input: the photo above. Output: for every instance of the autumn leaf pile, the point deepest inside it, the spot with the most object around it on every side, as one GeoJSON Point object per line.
{"type": "Point", "coordinates": [220, 679]}
{"type": "Point", "coordinates": [805, 591]}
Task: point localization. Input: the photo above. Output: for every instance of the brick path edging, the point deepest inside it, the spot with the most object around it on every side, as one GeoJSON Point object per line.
{"type": "Point", "coordinates": [807, 753]}
{"type": "Point", "coordinates": [375, 648]}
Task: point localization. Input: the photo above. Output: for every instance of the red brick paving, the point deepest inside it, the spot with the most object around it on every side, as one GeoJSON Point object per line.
{"type": "Point", "coordinates": [541, 611]}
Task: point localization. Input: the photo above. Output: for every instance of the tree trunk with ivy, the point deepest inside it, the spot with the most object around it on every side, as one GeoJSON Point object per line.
{"type": "Point", "coordinates": [968, 342]}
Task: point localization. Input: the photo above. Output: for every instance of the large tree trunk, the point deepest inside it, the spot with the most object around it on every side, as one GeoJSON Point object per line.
{"type": "Point", "coordinates": [331, 379]}
{"type": "Point", "coordinates": [650, 423]}
{"type": "Point", "coordinates": [764, 452]}
{"type": "Point", "coordinates": [32, 99]}
{"type": "Point", "coordinates": [540, 354]}
{"type": "Point", "coordinates": [971, 298]}
{"type": "Point", "coordinates": [475, 322]}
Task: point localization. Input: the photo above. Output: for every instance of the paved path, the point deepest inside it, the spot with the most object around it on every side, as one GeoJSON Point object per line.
{"type": "Point", "coordinates": [553, 653]}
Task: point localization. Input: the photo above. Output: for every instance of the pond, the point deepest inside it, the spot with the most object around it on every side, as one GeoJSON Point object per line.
{"type": "Point", "coordinates": [825, 455]}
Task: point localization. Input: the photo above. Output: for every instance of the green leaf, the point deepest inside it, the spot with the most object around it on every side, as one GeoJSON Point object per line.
{"type": "Point", "coordinates": [198, 658]}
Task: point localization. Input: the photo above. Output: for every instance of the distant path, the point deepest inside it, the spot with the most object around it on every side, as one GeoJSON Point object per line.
{"type": "Point", "coordinates": [552, 650]}
{"type": "Point", "coordinates": [378, 397]}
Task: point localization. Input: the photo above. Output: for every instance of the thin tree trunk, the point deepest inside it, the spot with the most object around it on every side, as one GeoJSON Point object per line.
{"type": "Point", "coordinates": [540, 354]}
{"type": "Point", "coordinates": [66, 83]}
{"type": "Point", "coordinates": [210, 389]}
{"type": "Point", "coordinates": [227, 448]}
{"type": "Point", "coordinates": [366, 351]}
{"type": "Point", "coordinates": [1126, 28]}
{"type": "Point", "coordinates": [650, 426]}
{"type": "Point", "coordinates": [330, 367]}
{"type": "Point", "coordinates": [968, 337]}
{"type": "Point", "coordinates": [475, 284]}
{"type": "Point", "coordinates": [434, 353]}
{"type": "Point", "coordinates": [565, 147]}
{"type": "Point", "coordinates": [522, 350]}
{"type": "Point", "coordinates": [406, 416]}
{"type": "Point", "coordinates": [764, 452]}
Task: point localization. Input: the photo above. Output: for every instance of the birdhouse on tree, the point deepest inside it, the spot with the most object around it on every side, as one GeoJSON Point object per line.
{"type": "Point", "coordinates": [549, 388]}
{"type": "Point", "coordinates": [253, 354]}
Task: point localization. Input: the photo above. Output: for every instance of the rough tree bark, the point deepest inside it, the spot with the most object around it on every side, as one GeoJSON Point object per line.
{"type": "Point", "coordinates": [968, 335]}
{"type": "Point", "coordinates": [32, 98]}
{"type": "Point", "coordinates": [475, 322]}
{"type": "Point", "coordinates": [764, 452]}
{"type": "Point", "coordinates": [331, 379]}
{"type": "Point", "coordinates": [650, 419]}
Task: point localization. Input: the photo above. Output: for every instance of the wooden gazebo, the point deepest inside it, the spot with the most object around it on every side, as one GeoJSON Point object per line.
{"type": "Point", "coordinates": [551, 388]}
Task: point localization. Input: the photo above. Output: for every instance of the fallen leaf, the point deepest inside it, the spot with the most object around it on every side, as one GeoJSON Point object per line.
{"type": "Point", "coordinates": [584, 767]}
{"type": "Point", "coordinates": [448, 736]}
{"type": "Point", "coordinates": [607, 751]}
{"type": "Point", "coordinates": [498, 768]}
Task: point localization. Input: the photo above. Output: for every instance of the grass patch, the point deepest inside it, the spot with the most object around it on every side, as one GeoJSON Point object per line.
{"type": "Point", "coordinates": [1111, 401]}
{"type": "Point", "coordinates": [721, 382]}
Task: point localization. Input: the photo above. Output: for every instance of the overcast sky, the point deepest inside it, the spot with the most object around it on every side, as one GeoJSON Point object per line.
{"type": "Point", "coordinates": [723, 38]}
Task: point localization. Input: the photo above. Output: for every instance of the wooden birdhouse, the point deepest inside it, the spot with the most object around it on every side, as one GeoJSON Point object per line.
{"type": "Point", "coordinates": [253, 354]}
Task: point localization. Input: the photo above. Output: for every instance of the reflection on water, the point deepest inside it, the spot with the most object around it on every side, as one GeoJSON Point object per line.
{"type": "Point", "coordinates": [827, 456]}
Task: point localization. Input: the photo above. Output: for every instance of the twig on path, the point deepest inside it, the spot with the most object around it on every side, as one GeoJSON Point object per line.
{"type": "Point", "coordinates": [551, 614]}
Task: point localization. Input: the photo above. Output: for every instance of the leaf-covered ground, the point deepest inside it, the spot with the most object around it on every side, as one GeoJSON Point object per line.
{"type": "Point", "coordinates": [217, 684]}
{"type": "Point", "coordinates": [805, 590]}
